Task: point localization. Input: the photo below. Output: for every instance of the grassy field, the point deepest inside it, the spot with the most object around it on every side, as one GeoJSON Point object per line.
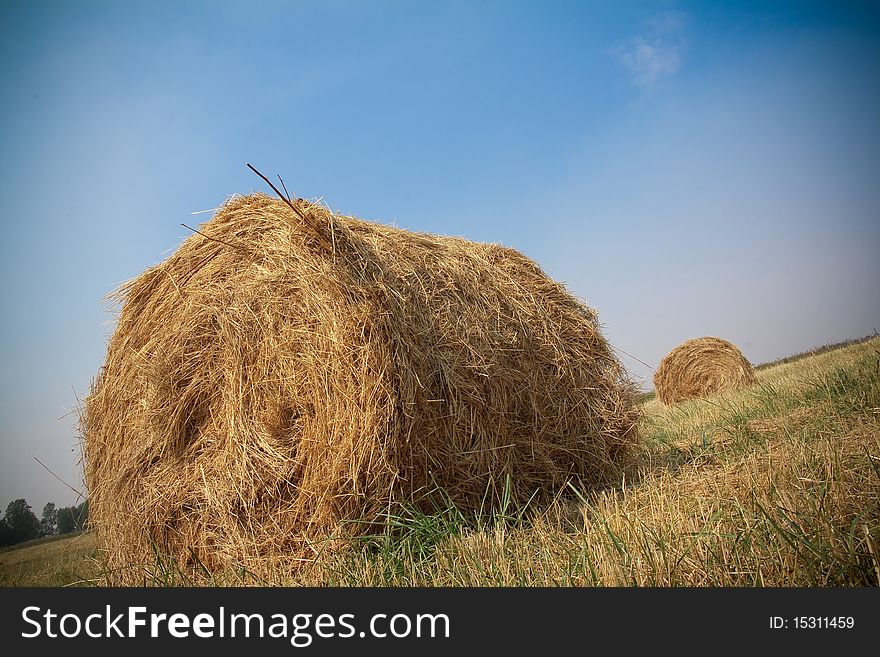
{"type": "Point", "coordinates": [61, 561]}
{"type": "Point", "coordinates": [776, 485]}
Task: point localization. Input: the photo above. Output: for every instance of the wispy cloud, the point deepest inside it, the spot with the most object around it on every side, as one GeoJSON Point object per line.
{"type": "Point", "coordinates": [658, 53]}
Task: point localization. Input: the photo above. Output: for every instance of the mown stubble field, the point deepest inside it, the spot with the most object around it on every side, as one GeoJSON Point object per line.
{"type": "Point", "coordinates": [776, 485]}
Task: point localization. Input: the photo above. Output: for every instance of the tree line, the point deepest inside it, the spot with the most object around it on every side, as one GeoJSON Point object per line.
{"type": "Point", "coordinates": [21, 524]}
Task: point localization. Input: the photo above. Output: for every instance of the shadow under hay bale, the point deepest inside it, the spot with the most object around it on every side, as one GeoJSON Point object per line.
{"type": "Point", "coordinates": [288, 370]}
{"type": "Point", "coordinates": [699, 368]}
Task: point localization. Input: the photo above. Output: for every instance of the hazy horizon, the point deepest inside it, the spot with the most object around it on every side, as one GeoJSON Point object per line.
{"type": "Point", "coordinates": [686, 169]}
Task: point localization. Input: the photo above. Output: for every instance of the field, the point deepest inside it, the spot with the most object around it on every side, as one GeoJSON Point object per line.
{"type": "Point", "coordinates": [776, 485]}
{"type": "Point", "coordinates": [59, 561]}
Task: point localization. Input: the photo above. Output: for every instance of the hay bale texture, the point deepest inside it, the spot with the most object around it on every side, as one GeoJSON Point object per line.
{"type": "Point", "coordinates": [287, 371]}
{"type": "Point", "coordinates": [701, 367]}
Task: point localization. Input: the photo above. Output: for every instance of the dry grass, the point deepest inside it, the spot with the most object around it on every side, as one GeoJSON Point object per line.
{"type": "Point", "coordinates": [289, 379]}
{"type": "Point", "coordinates": [65, 561]}
{"type": "Point", "coordinates": [775, 485]}
{"type": "Point", "coordinates": [699, 368]}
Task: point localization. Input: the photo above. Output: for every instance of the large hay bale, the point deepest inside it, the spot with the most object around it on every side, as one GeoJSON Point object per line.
{"type": "Point", "coordinates": [701, 367]}
{"type": "Point", "coordinates": [287, 370]}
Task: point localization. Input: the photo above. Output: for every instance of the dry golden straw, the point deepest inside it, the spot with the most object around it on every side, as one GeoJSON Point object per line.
{"type": "Point", "coordinates": [288, 377]}
{"type": "Point", "coordinates": [701, 367]}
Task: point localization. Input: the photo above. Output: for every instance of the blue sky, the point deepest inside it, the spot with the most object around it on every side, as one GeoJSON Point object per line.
{"type": "Point", "coordinates": [687, 168]}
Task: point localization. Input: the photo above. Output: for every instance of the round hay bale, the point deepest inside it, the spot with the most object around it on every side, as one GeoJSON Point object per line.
{"type": "Point", "coordinates": [289, 375]}
{"type": "Point", "coordinates": [701, 367]}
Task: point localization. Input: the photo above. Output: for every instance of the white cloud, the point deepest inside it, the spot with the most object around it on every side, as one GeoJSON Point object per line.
{"type": "Point", "coordinates": [667, 22]}
{"type": "Point", "coordinates": [657, 54]}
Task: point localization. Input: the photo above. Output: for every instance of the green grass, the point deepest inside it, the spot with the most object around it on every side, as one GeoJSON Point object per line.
{"type": "Point", "coordinates": [775, 485]}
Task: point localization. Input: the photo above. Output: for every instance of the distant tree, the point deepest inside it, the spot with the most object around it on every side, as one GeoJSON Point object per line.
{"type": "Point", "coordinates": [82, 514]}
{"type": "Point", "coordinates": [23, 524]}
{"type": "Point", "coordinates": [73, 518]}
{"type": "Point", "coordinates": [65, 520]}
{"type": "Point", "coordinates": [5, 533]}
{"type": "Point", "coordinates": [49, 521]}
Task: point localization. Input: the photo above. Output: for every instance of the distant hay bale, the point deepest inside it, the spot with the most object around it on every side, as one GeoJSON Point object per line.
{"type": "Point", "coordinates": [701, 367]}
{"type": "Point", "coordinates": [290, 375]}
